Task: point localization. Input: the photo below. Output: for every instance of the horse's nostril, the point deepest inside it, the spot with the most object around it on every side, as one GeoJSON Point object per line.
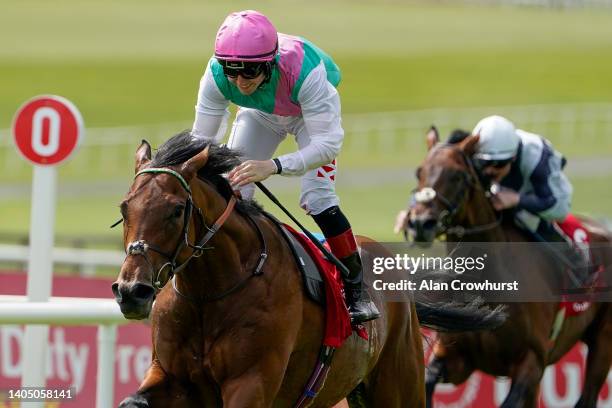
{"type": "Point", "coordinates": [115, 289]}
{"type": "Point", "coordinates": [142, 291]}
{"type": "Point", "coordinates": [422, 223]}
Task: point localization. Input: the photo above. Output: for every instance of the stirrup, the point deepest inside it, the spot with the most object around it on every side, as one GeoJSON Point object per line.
{"type": "Point", "coordinates": [364, 312]}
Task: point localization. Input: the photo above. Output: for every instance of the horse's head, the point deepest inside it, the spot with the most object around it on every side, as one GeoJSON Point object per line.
{"type": "Point", "coordinates": [446, 180]}
{"type": "Point", "coordinates": [158, 216]}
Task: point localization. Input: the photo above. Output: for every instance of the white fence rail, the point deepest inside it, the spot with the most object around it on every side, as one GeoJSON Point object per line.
{"type": "Point", "coordinates": [104, 313]}
{"type": "Point", "coordinates": [86, 259]}
{"type": "Point", "coordinates": [105, 149]}
{"type": "Point", "coordinates": [591, 124]}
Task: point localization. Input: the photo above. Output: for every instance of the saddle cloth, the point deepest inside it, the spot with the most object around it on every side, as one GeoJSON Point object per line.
{"type": "Point", "coordinates": [323, 284]}
{"type": "Point", "coordinates": [576, 233]}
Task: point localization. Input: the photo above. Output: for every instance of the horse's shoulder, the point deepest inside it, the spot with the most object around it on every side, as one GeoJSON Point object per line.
{"type": "Point", "coordinates": [363, 239]}
{"type": "Point", "coordinates": [370, 245]}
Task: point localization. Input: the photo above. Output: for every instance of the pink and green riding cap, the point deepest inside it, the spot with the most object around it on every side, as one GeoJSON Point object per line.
{"type": "Point", "coordinates": [248, 36]}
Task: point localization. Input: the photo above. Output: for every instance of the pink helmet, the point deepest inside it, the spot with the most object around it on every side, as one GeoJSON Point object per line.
{"type": "Point", "coordinates": [246, 36]}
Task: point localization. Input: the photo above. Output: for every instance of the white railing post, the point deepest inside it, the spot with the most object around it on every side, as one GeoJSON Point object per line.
{"type": "Point", "coordinates": [72, 311]}
{"type": "Point", "coordinates": [364, 131]}
{"type": "Point", "coordinates": [107, 337]}
{"type": "Point", "coordinates": [40, 272]}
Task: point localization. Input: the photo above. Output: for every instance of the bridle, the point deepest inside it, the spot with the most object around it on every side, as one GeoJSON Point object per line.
{"type": "Point", "coordinates": [454, 205]}
{"type": "Point", "coordinates": [141, 247]}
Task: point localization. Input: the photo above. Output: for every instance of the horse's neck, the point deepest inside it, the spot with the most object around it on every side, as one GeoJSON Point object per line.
{"type": "Point", "coordinates": [222, 265]}
{"type": "Point", "coordinates": [478, 214]}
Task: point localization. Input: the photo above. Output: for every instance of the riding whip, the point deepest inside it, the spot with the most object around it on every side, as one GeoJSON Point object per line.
{"type": "Point", "coordinates": [331, 257]}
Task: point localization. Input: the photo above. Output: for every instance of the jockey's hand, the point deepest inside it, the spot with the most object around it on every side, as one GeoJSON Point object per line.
{"type": "Point", "coordinates": [401, 220]}
{"type": "Point", "coordinates": [251, 171]}
{"type": "Point", "coordinates": [505, 198]}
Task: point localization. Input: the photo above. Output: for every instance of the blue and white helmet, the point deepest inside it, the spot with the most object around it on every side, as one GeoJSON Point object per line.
{"type": "Point", "coordinates": [498, 139]}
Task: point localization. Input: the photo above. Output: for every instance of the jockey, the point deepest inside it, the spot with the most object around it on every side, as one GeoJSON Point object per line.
{"type": "Point", "coordinates": [282, 84]}
{"type": "Point", "coordinates": [529, 172]}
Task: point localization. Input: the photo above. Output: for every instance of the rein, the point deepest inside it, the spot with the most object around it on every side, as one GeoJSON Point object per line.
{"type": "Point", "coordinates": [141, 247]}
{"type": "Point", "coordinates": [256, 271]}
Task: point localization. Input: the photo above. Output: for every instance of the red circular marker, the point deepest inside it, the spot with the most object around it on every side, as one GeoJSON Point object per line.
{"type": "Point", "coordinates": [47, 129]}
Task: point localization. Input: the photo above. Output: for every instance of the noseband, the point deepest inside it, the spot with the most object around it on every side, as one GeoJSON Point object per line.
{"type": "Point", "coordinates": [141, 247]}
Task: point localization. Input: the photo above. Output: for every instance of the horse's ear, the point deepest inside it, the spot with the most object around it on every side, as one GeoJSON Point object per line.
{"type": "Point", "coordinates": [191, 166]}
{"type": "Point", "coordinates": [143, 155]}
{"type": "Point", "coordinates": [469, 144]}
{"type": "Point", "coordinates": [432, 137]}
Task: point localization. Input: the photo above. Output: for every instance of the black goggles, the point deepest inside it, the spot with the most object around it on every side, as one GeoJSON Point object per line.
{"type": "Point", "coordinates": [247, 70]}
{"type": "Point", "coordinates": [498, 164]}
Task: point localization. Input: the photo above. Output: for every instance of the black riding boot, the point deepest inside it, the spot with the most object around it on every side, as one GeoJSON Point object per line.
{"type": "Point", "coordinates": [339, 235]}
{"type": "Point", "coordinates": [575, 259]}
{"type": "Point", "coordinates": [361, 310]}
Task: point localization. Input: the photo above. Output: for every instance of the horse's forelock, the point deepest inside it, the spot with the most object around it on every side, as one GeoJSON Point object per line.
{"type": "Point", "coordinates": [221, 159]}
{"type": "Point", "coordinates": [453, 155]}
{"type": "Point", "coordinates": [183, 146]}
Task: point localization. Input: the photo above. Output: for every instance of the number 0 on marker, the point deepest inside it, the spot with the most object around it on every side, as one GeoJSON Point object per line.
{"type": "Point", "coordinates": [47, 129]}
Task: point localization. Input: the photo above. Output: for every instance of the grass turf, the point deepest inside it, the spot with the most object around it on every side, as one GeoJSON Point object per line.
{"type": "Point", "coordinates": [371, 209]}
{"type": "Point", "coordinates": [139, 62]}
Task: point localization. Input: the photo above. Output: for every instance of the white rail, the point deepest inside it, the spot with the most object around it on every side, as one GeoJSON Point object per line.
{"type": "Point", "coordinates": [110, 148]}
{"type": "Point", "coordinates": [104, 313]}
{"type": "Point", "coordinates": [86, 259]}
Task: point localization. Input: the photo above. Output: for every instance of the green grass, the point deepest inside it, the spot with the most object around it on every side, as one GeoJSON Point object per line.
{"type": "Point", "coordinates": [150, 92]}
{"type": "Point", "coordinates": [371, 209]}
{"type": "Point", "coordinates": [115, 29]}
{"type": "Point", "coordinates": [111, 93]}
{"type": "Point", "coordinates": [593, 196]}
{"type": "Point", "coordinates": [510, 77]}
{"type": "Point", "coordinates": [138, 62]}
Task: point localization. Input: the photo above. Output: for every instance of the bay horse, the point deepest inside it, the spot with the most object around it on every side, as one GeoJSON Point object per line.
{"type": "Point", "coordinates": [234, 328]}
{"type": "Point", "coordinates": [520, 348]}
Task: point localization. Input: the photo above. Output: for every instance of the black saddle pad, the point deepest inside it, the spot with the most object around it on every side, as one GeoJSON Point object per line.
{"type": "Point", "coordinates": [313, 282]}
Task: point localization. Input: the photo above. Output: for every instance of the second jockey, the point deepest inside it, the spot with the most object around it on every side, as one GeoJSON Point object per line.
{"type": "Point", "coordinates": [530, 173]}
{"type": "Point", "coordinates": [282, 85]}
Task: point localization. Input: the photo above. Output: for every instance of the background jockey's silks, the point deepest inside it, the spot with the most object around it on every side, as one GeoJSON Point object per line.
{"type": "Point", "coordinates": [537, 174]}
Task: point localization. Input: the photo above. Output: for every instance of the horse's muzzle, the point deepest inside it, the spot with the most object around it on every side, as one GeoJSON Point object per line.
{"type": "Point", "coordinates": [424, 228]}
{"type": "Point", "coordinates": [134, 401]}
{"type": "Point", "coordinates": [134, 298]}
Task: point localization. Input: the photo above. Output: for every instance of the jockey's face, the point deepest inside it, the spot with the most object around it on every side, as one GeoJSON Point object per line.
{"type": "Point", "coordinates": [497, 174]}
{"type": "Point", "coordinates": [247, 86]}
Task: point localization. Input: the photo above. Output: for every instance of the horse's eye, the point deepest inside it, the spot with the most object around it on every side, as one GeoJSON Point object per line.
{"type": "Point", "coordinates": [178, 211]}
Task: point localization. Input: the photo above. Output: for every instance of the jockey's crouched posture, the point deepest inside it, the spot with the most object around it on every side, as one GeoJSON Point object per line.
{"type": "Point", "coordinates": [530, 173]}
{"type": "Point", "coordinates": [282, 84]}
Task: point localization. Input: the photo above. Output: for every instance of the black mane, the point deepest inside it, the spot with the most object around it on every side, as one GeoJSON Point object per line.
{"type": "Point", "coordinates": [183, 146]}
{"type": "Point", "coordinates": [221, 159]}
{"type": "Point", "coordinates": [457, 136]}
